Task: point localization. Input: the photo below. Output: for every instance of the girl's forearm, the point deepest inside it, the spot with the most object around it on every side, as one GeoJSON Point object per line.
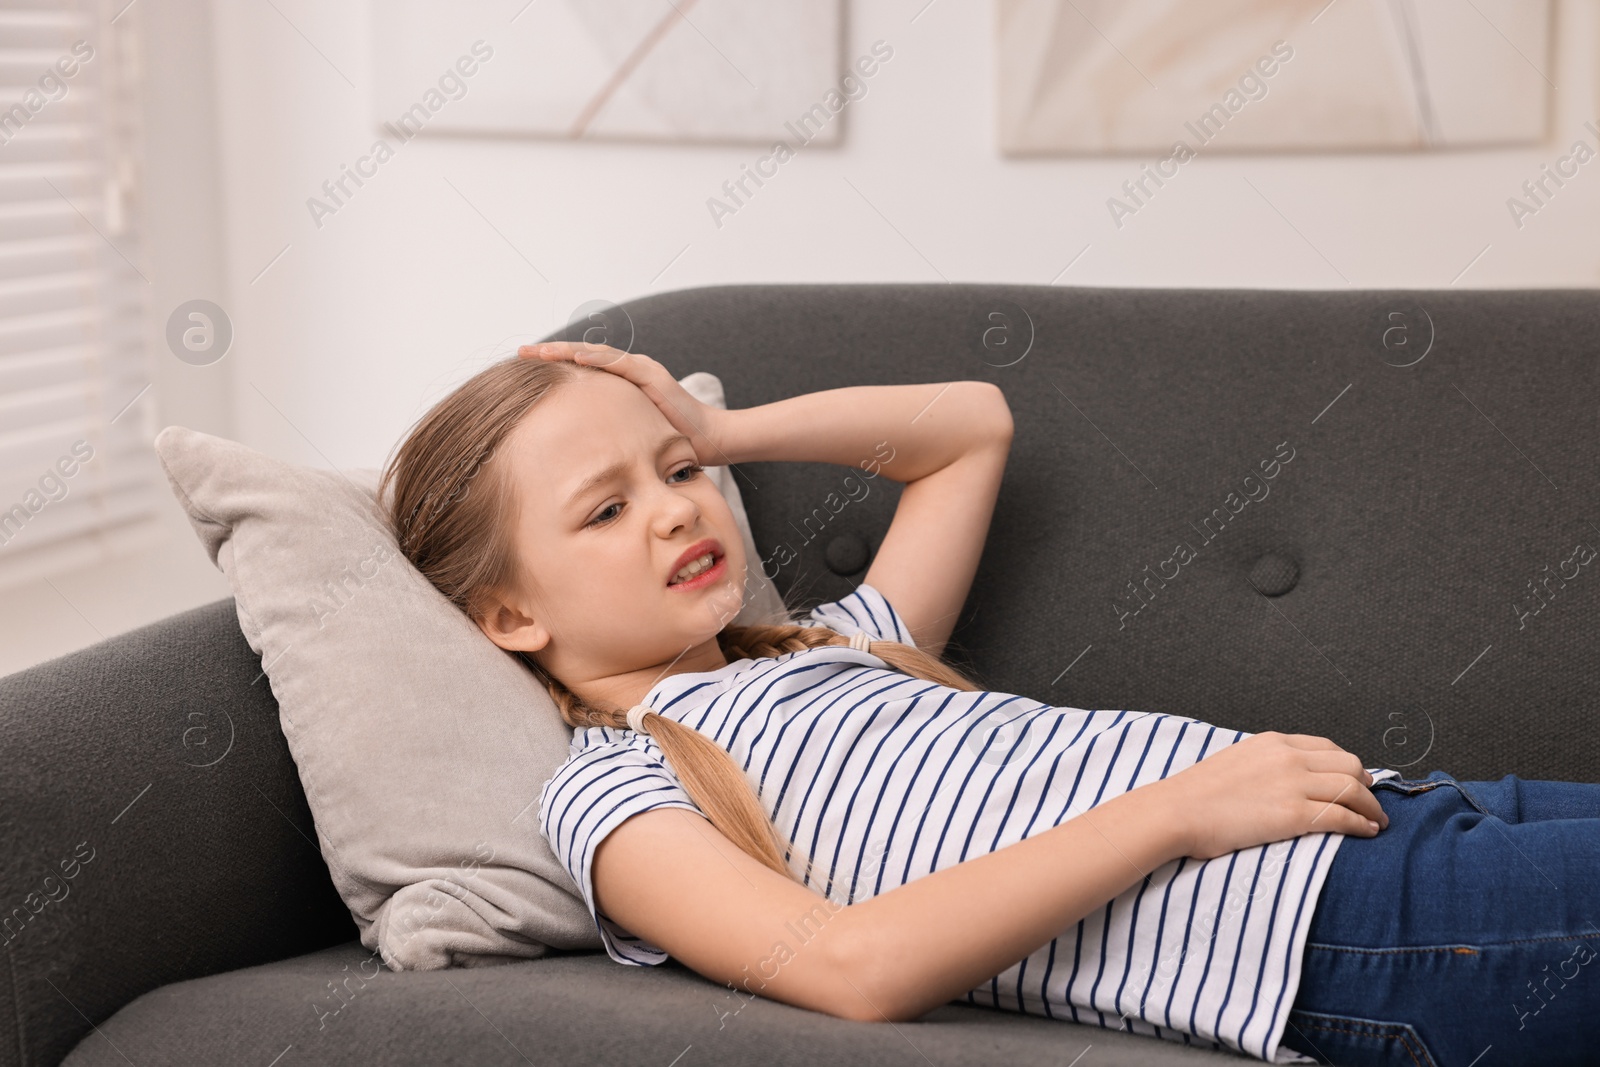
{"type": "Point", "coordinates": [904, 431]}
{"type": "Point", "coordinates": [933, 939]}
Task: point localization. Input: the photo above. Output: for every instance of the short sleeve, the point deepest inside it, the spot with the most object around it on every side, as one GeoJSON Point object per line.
{"type": "Point", "coordinates": [865, 609]}
{"type": "Point", "coordinates": [590, 795]}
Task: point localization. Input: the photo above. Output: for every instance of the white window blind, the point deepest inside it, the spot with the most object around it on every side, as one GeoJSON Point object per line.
{"type": "Point", "coordinates": [78, 477]}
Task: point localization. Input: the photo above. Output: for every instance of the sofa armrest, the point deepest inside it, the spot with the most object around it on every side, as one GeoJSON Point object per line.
{"type": "Point", "coordinates": [154, 829]}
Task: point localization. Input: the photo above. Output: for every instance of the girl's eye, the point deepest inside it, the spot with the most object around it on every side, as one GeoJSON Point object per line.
{"type": "Point", "coordinates": [601, 520]}
{"type": "Point", "coordinates": [692, 470]}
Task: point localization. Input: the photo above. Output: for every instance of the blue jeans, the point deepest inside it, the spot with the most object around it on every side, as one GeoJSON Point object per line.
{"type": "Point", "coordinates": [1467, 932]}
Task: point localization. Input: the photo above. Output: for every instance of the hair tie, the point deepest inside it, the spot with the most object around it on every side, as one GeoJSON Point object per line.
{"type": "Point", "coordinates": [861, 641]}
{"type": "Point", "coordinates": [636, 717]}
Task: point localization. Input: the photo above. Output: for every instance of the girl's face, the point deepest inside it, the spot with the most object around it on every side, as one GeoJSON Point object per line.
{"type": "Point", "coordinates": [609, 497]}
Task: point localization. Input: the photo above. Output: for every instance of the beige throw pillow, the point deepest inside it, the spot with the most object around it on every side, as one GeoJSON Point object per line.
{"type": "Point", "coordinates": [422, 746]}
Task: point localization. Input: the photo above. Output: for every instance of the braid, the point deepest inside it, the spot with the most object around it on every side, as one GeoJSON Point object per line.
{"type": "Point", "coordinates": [757, 642]}
{"type": "Point", "coordinates": [760, 642]}
{"type": "Point", "coordinates": [713, 781]}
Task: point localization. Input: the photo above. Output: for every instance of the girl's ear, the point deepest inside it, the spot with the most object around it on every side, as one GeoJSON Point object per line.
{"type": "Point", "coordinates": [509, 627]}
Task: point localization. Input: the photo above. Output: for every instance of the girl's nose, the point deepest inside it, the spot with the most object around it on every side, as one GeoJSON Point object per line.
{"type": "Point", "coordinates": [677, 509]}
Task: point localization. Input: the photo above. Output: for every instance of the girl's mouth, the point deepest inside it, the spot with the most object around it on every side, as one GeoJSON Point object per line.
{"type": "Point", "coordinates": [719, 567]}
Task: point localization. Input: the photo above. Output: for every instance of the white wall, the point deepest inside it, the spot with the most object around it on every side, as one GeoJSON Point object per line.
{"type": "Point", "coordinates": [405, 290]}
{"type": "Point", "coordinates": [362, 323]}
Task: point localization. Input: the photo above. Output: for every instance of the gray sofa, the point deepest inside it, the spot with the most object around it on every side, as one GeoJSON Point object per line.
{"type": "Point", "coordinates": [1397, 590]}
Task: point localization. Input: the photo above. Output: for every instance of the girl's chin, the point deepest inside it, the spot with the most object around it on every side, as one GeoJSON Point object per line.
{"type": "Point", "coordinates": [722, 598]}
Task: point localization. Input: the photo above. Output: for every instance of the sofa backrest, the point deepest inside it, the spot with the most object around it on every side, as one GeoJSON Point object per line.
{"type": "Point", "coordinates": [1367, 515]}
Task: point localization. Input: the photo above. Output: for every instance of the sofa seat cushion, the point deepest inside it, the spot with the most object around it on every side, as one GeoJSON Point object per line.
{"type": "Point", "coordinates": [341, 1006]}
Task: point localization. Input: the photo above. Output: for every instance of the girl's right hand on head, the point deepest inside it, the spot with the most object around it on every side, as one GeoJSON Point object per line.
{"type": "Point", "coordinates": [703, 424]}
{"type": "Point", "coordinates": [1271, 787]}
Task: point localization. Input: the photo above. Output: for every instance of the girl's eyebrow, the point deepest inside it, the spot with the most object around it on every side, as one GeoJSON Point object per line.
{"type": "Point", "coordinates": [616, 470]}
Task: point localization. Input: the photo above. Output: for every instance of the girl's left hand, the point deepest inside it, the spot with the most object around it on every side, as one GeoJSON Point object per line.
{"type": "Point", "coordinates": [704, 425]}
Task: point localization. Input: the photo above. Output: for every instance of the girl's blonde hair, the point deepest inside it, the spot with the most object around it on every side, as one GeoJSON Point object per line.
{"type": "Point", "coordinates": [452, 510]}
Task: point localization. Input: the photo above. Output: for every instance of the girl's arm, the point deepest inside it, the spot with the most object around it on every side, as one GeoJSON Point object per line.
{"type": "Point", "coordinates": [671, 877]}
{"type": "Point", "coordinates": [947, 441]}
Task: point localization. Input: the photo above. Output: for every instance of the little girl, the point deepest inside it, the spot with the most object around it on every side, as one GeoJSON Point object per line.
{"type": "Point", "coordinates": [824, 812]}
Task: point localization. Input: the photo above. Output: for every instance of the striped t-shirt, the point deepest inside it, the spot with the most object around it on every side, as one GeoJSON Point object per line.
{"type": "Point", "coordinates": [879, 778]}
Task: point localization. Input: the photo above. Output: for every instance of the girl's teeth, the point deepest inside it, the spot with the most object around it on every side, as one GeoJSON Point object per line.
{"type": "Point", "coordinates": [695, 567]}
